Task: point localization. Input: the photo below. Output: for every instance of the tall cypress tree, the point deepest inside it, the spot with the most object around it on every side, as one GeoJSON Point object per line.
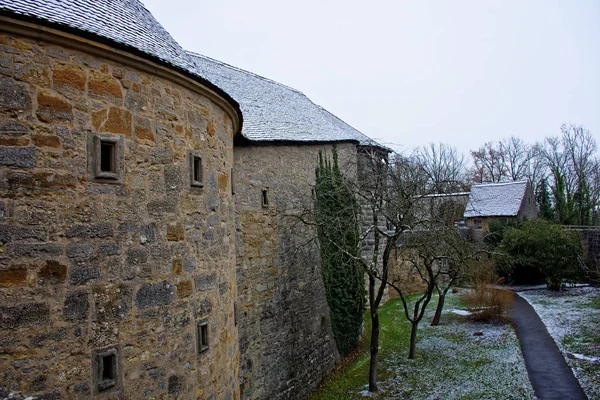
{"type": "Point", "coordinates": [337, 216]}
{"type": "Point", "coordinates": [543, 199]}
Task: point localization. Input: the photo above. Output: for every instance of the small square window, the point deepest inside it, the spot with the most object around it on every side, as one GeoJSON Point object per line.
{"type": "Point", "coordinates": [264, 199]}
{"type": "Point", "coordinates": [105, 369]}
{"type": "Point", "coordinates": [202, 336]}
{"type": "Point", "coordinates": [196, 170]}
{"type": "Point", "coordinates": [106, 158]}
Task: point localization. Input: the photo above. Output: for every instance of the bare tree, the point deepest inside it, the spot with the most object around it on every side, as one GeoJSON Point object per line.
{"type": "Point", "coordinates": [516, 155]}
{"type": "Point", "coordinates": [444, 166]}
{"type": "Point", "coordinates": [490, 161]}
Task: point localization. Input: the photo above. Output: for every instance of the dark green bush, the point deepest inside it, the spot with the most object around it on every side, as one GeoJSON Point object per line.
{"type": "Point", "coordinates": [546, 247]}
{"type": "Point", "coordinates": [337, 216]}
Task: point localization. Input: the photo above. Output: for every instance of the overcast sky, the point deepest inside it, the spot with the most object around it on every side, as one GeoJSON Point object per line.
{"type": "Point", "coordinates": [412, 72]}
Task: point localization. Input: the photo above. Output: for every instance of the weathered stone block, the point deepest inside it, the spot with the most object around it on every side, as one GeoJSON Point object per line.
{"type": "Point", "coordinates": [185, 289]}
{"type": "Point", "coordinates": [55, 335]}
{"type": "Point", "coordinates": [20, 157]}
{"type": "Point", "coordinates": [158, 294]}
{"type": "Point", "coordinates": [90, 231]}
{"type": "Point", "coordinates": [175, 385]}
{"type": "Point", "coordinates": [144, 133]}
{"type": "Point", "coordinates": [54, 180]}
{"type": "Point", "coordinates": [6, 65]}
{"type": "Point", "coordinates": [161, 207]}
{"type": "Point", "coordinates": [82, 275]}
{"type": "Point", "coordinates": [202, 307]}
{"type": "Point", "coordinates": [137, 256]}
{"type": "Point", "coordinates": [223, 182]}
{"type": "Point", "coordinates": [13, 276]}
{"type": "Point", "coordinates": [13, 96]}
{"type": "Point", "coordinates": [53, 272]}
{"type": "Point", "coordinates": [206, 281]}
{"type": "Point", "coordinates": [148, 233]}
{"type": "Point", "coordinates": [104, 85]}
{"type": "Point", "coordinates": [69, 75]}
{"type": "Point", "coordinates": [76, 306]}
{"type": "Point", "coordinates": [16, 128]}
{"type": "Point", "coordinates": [160, 156]}
{"type": "Point", "coordinates": [117, 121]}
{"type": "Point", "coordinates": [112, 302]}
{"type": "Point", "coordinates": [8, 233]}
{"type": "Point", "coordinates": [82, 387]}
{"type": "Point", "coordinates": [46, 141]}
{"type": "Point", "coordinates": [14, 141]}
{"type": "Point", "coordinates": [34, 249]}
{"type": "Point", "coordinates": [109, 249]}
{"type": "Point", "coordinates": [177, 266]}
{"type": "Point", "coordinates": [36, 74]}
{"type": "Point", "coordinates": [52, 108]}
{"type": "Point", "coordinates": [189, 265]}
{"type": "Point", "coordinates": [175, 232]}
{"type": "Point", "coordinates": [80, 251]}
{"type": "Point", "coordinates": [173, 178]}
{"type": "Point", "coordinates": [24, 315]}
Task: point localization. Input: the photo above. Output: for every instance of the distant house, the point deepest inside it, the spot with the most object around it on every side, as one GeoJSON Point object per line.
{"type": "Point", "coordinates": [503, 202]}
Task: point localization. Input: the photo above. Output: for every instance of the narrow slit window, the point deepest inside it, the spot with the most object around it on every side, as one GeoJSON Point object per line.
{"type": "Point", "coordinates": [107, 156]}
{"type": "Point", "coordinates": [202, 336]}
{"type": "Point", "coordinates": [106, 370]}
{"type": "Point", "coordinates": [196, 171]}
{"type": "Point", "coordinates": [265, 198]}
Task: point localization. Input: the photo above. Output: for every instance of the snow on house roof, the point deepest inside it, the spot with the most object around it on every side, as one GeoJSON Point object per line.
{"type": "Point", "coordinates": [495, 199]}
{"type": "Point", "coordinates": [275, 112]}
{"type": "Point", "coordinates": [124, 23]}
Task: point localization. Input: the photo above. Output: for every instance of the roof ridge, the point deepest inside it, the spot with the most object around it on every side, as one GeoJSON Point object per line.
{"type": "Point", "coordinates": [193, 53]}
{"type": "Point", "coordinates": [500, 183]}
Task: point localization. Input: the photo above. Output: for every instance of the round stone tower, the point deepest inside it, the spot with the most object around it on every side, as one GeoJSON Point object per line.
{"type": "Point", "coordinates": [117, 245]}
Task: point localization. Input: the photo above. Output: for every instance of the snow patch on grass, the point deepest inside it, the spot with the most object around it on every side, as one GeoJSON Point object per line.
{"type": "Point", "coordinates": [453, 363]}
{"type": "Point", "coordinates": [460, 312]}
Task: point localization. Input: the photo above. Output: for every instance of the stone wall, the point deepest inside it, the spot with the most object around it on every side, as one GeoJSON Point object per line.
{"type": "Point", "coordinates": [95, 270]}
{"type": "Point", "coordinates": [286, 343]}
{"type": "Point", "coordinates": [528, 209]}
{"type": "Point", "coordinates": [591, 246]}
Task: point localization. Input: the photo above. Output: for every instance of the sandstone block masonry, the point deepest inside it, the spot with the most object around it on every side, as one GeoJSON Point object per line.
{"type": "Point", "coordinates": [286, 343]}
{"type": "Point", "coordinates": [117, 276]}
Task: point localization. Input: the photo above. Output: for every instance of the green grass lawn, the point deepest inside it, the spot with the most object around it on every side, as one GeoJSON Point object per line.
{"type": "Point", "coordinates": [450, 362]}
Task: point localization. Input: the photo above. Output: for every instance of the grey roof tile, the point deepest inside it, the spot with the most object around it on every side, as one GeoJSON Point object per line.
{"type": "Point", "coordinates": [275, 112]}
{"type": "Point", "coordinates": [124, 22]}
{"type": "Point", "coordinates": [495, 199]}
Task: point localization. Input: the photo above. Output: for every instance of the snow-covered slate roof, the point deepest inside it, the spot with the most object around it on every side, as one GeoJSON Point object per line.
{"type": "Point", "coordinates": [495, 199]}
{"type": "Point", "coordinates": [275, 112]}
{"type": "Point", "coordinates": [123, 22]}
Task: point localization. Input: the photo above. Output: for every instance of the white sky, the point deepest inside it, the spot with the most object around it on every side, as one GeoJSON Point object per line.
{"type": "Point", "coordinates": [412, 72]}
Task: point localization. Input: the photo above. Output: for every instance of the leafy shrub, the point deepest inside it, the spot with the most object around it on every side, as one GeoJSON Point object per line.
{"type": "Point", "coordinates": [546, 247]}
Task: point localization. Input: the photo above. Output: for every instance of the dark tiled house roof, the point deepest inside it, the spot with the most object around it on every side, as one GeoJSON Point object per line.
{"type": "Point", "coordinates": [275, 112]}
{"type": "Point", "coordinates": [272, 111]}
{"type": "Point", "coordinates": [496, 199]}
{"type": "Point", "coordinates": [123, 23]}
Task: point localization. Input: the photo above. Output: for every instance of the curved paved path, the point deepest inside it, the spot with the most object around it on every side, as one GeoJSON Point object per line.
{"type": "Point", "coordinates": [548, 371]}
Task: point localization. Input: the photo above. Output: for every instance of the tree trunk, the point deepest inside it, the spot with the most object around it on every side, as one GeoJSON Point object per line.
{"type": "Point", "coordinates": [413, 339]}
{"type": "Point", "coordinates": [438, 310]}
{"type": "Point", "coordinates": [374, 350]}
